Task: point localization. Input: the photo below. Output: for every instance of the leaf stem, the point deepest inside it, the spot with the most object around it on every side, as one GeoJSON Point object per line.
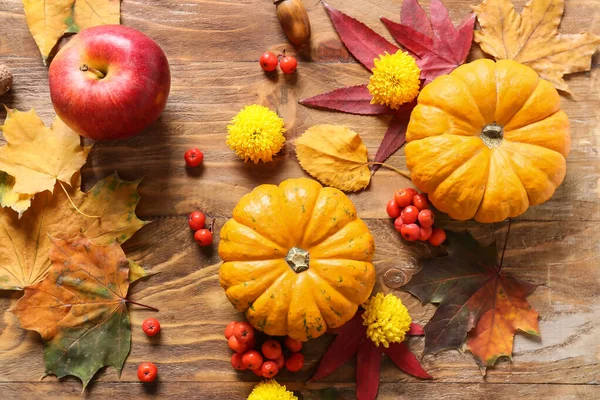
{"type": "Point", "coordinates": [141, 305]}
{"type": "Point", "coordinates": [74, 206]}
{"type": "Point", "coordinates": [404, 173]}
{"type": "Point", "coordinates": [505, 243]}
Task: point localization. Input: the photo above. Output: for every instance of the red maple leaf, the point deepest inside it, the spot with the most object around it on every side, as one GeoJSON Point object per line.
{"type": "Point", "coordinates": [352, 340]}
{"type": "Point", "coordinates": [436, 44]}
{"type": "Point", "coordinates": [477, 301]}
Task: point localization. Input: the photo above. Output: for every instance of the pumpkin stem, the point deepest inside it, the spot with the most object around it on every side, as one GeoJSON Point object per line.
{"type": "Point", "coordinates": [297, 259]}
{"type": "Point", "coordinates": [492, 135]}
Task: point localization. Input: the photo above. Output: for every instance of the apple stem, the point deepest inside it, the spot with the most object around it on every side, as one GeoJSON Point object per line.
{"type": "Point", "coordinates": [85, 67]}
{"type": "Point", "coordinates": [74, 206]}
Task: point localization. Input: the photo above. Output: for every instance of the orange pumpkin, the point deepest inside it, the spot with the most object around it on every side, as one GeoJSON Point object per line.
{"type": "Point", "coordinates": [488, 140]}
{"type": "Point", "coordinates": [297, 259]}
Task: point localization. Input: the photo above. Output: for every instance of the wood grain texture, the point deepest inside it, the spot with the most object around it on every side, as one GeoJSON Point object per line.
{"type": "Point", "coordinates": [212, 48]}
{"type": "Point", "coordinates": [239, 391]}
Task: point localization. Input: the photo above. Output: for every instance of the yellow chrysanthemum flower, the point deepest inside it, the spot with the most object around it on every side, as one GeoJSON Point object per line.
{"type": "Point", "coordinates": [386, 318]}
{"type": "Point", "coordinates": [256, 134]}
{"type": "Point", "coordinates": [395, 79]}
{"type": "Point", "coordinates": [271, 390]}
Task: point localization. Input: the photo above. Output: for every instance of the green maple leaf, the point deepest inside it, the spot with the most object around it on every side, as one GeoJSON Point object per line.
{"type": "Point", "coordinates": [80, 308]}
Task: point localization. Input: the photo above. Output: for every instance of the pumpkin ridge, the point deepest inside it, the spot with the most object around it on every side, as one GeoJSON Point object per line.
{"type": "Point", "coordinates": [330, 291]}
{"type": "Point", "coordinates": [352, 297]}
{"type": "Point", "coordinates": [269, 298]}
{"type": "Point", "coordinates": [507, 132]}
{"type": "Point", "coordinates": [487, 177]}
{"type": "Point", "coordinates": [451, 122]}
{"type": "Point", "coordinates": [523, 105]}
{"type": "Point", "coordinates": [531, 165]}
{"type": "Point", "coordinates": [325, 190]}
{"type": "Point", "coordinates": [500, 153]}
{"type": "Point", "coordinates": [469, 95]}
{"type": "Point", "coordinates": [467, 160]}
{"type": "Point", "coordinates": [499, 91]}
{"type": "Point", "coordinates": [262, 237]}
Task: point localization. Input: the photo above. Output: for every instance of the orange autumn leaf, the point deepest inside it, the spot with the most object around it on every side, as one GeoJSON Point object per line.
{"type": "Point", "coordinates": [494, 334]}
{"type": "Point", "coordinates": [80, 308]}
{"type": "Point", "coordinates": [476, 299]}
{"type": "Point", "coordinates": [532, 38]}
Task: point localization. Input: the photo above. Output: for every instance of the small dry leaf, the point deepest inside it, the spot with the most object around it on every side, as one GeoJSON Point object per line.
{"type": "Point", "coordinates": [49, 20]}
{"type": "Point", "coordinates": [334, 155]}
{"type": "Point", "coordinates": [37, 156]}
{"type": "Point", "coordinates": [532, 38]}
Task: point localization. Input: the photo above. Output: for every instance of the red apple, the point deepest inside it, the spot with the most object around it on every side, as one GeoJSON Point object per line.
{"type": "Point", "coordinates": [109, 82]}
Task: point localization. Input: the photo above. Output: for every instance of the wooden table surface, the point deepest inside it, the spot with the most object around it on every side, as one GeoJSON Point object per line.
{"type": "Point", "coordinates": [213, 47]}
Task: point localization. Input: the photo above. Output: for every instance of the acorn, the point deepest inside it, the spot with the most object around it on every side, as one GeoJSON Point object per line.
{"type": "Point", "coordinates": [294, 20]}
{"type": "Point", "coordinates": [6, 79]}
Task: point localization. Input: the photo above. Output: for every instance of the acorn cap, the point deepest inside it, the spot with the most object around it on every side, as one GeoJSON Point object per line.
{"type": "Point", "coordinates": [6, 79]}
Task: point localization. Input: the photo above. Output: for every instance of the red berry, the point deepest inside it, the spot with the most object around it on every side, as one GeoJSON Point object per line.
{"type": "Point", "coordinates": [269, 369]}
{"type": "Point", "coordinates": [392, 209]}
{"type": "Point", "coordinates": [268, 61]}
{"type": "Point", "coordinates": [437, 237]}
{"type": "Point", "coordinates": [404, 197]}
{"type": "Point", "coordinates": [271, 349]}
{"type": "Point", "coordinates": [193, 157]}
{"type": "Point", "coordinates": [280, 362]}
{"type": "Point", "coordinates": [292, 344]}
{"type": "Point", "coordinates": [147, 372]}
{"type": "Point", "coordinates": [236, 345]}
{"type": "Point", "coordinates": [411, 232]}
{"type": "Point", "coordinates": [288, 65]}
{"type": "Point", "coordinates": [203, 237]}
{"type": "Point", "coordinates": [425, 233]}
{"type": "Point", "coordinates": [420, 201]}
{"type": "Point", "coordinates": [196, 220]}
{"type": "Point", "coordinates": [410, 214]}
{"type": "Point", "coordinates": [229, 329]}
{"type": "Point", "coordinates": [426, 218]}
{"type": "Point", "coordinates": [252, 359]}
{"type": "Point", "coordinates": [236, 362]}
{"type": "Point", "coordinates": [151, 327]}
{"type": "Point", "coordinates": [295, 362]}
{"type": "Point", "coordinates": [398, 224]}
{"type": "Point", "coordinates": [243, 332]}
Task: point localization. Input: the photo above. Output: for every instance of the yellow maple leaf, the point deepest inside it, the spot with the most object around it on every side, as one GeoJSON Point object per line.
{"type": "Point", "coordinates": [334, 155]}
{"type": "Point", "coordinates": [49, 20]}
{"type": "Point", "coordinates": [8, 198]}
{"type": "Point", "coordinates": [25, 241]}
{"type": "Point", "coordinates": [37, 156]}
{"type": "Point", "coordinates": [532, 38]}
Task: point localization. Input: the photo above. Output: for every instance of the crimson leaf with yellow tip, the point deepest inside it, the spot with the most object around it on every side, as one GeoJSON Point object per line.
{"type": "Point", "coordinates": [477, 300]}
{"type": "Point", "coordinates": [352, 340]}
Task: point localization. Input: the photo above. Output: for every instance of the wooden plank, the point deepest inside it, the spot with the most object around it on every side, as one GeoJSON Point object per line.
{"type": "Point", "coordinates": [239, 391]}
{"type": "Point", "coordinates": [213, 50]}
{"type": "Point", "coordinates": [561, 257]}
{"type": "Point", "coordinates": [205, 96]}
